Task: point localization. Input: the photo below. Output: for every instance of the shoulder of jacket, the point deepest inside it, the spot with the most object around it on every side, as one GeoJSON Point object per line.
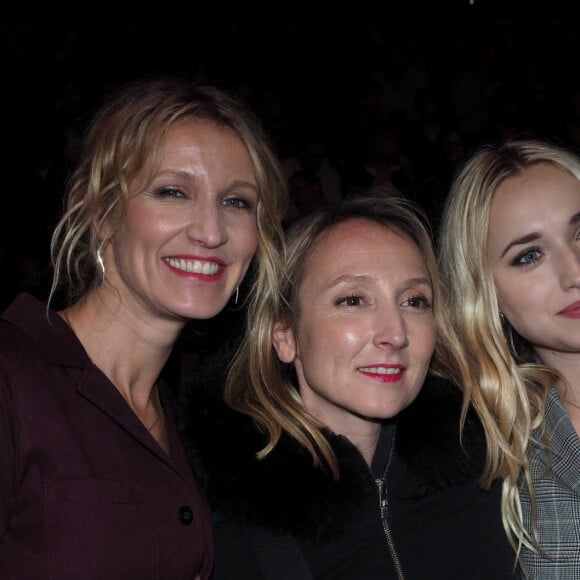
{"type": "Point", "coordinates": [284, 492]}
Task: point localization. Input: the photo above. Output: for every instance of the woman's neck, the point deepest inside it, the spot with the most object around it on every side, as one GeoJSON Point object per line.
{"type": "Point", "coordinates": [364, 437]}
{"type": "Point", "coordinates": [128, 351]}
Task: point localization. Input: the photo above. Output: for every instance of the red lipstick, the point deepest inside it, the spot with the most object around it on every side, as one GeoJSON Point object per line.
{"type": "Point", "coordinates": [383, 373]}
{"type": "Point", "coordinates": [207, 268]}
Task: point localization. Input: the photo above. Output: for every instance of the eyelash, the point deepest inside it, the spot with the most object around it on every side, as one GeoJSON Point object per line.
{"type": "Point", "coordinates": [169, 192]}
{"type": "Point", "coordinates": [518, 261]}
{"type": "Point", "coordinates": [424, 303]}
{"type": "Point", "coordinates": [347, 299]}
{"type": "Point", "coordinates": [235, 202]}
{"type": "Point", "coordinates": [240, 203]}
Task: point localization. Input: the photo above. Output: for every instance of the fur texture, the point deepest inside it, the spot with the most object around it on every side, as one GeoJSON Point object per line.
{"type": "Point", "coordinates": [286, 493]}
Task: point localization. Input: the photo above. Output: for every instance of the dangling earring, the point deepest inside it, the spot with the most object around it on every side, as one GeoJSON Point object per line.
{"type": "Point", "coordinates": [101, 267]}
{"type": "Point", "coordinates": [237, 295]}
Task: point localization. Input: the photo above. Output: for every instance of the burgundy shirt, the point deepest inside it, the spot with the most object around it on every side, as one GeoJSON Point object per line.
{"type": "Point", "coordinates": [85, 492]}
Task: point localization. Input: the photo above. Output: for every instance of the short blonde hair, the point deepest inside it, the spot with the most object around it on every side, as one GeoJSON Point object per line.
{"type": "Point", "coordinates": [260, 385]}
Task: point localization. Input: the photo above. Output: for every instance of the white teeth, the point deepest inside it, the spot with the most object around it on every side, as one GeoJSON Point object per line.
{"type": "Point", "coordinates": [381, 370]}
{"type": "Point", "coordinates": [194, 266]}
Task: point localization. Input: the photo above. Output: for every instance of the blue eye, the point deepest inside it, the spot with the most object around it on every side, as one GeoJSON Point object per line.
{"type": "Point", "coordinates": [528, 257]}
{"type": "Point", "coordinates": [237, 202]}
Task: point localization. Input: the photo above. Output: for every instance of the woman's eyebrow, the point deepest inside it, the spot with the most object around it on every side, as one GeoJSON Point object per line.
{"type": "Point", "coordinates": [531, 237]}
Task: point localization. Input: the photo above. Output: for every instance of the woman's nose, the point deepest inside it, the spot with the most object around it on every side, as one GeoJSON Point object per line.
{"type": "Point", "coordinates": [570, 268]}
{"type": "Point", "coordinates": [391, 330]}
{"type": "Point", "coordinates": [206, 226]}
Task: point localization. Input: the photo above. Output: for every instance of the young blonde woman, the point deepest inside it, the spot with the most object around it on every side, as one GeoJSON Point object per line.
{"type": "Point", "coordinates": [510, 257]}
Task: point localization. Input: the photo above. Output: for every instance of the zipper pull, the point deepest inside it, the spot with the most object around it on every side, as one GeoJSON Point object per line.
{"type": "Point", "coordinates": [383, 502]}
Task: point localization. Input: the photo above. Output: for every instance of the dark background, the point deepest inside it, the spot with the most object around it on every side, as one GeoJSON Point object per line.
{"type": "Point", "coordinates": [412, 86]}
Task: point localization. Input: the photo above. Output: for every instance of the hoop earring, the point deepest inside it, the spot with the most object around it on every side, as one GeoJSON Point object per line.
{"type": "Point", "coordinates": [237, 295]}
{"type": "Point", "coordinates": [100, 267]}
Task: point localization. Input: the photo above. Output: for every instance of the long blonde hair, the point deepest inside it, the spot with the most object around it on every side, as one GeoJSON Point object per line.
{"type": "Point", "coordinates": [497, 369]}
{"type": "Point", "coordinates": [262, 387]}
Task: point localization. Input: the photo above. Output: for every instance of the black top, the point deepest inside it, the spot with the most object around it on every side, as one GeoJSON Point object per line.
{"type": "Point", "coordinates": [282, 517]}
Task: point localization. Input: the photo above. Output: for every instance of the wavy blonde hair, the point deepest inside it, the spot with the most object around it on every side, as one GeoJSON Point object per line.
{"type": "Point", "coordinates": [262, 387]}
{"type": "Point", "coordinates": [126, 136]}
{"type": "Point", "coordinates": [497, 369]}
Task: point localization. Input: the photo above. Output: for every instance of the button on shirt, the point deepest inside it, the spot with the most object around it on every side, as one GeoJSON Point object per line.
{"type": "Point", "coordinates": [85, 491]}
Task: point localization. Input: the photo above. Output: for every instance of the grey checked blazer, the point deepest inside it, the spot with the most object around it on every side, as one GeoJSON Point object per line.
{"type": "Point", "coordinates": [556, 477]}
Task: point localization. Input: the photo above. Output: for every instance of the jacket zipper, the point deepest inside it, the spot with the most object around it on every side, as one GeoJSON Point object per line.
{"type": "Point", "coordinates": [384, 510]}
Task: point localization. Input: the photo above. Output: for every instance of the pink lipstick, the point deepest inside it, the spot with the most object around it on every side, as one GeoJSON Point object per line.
{"type": "Point", "coordinates": [571, 311]}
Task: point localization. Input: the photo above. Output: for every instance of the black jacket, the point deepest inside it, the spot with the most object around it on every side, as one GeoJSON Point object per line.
{"type": "Point", "coordinates": [284, 518]}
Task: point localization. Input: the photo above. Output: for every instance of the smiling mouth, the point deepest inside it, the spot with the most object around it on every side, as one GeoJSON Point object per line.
{"type": "Point", "coordinates": [571, 310]}
{"type": "Point", "coordinates": [381, 370]}
{"type": "Point", "coordinates": [194, 266]}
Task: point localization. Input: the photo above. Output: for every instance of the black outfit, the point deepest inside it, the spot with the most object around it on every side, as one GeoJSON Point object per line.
{"type": "Point", "coordinates": [284, 518]}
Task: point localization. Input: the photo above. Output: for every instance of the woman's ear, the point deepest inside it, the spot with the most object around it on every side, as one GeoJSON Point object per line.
{"type": "Point", "coordinates": [284, 342]}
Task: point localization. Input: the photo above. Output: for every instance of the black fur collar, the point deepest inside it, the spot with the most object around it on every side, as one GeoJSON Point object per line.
{"type": "Point", "coordinates": [286, 493]}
